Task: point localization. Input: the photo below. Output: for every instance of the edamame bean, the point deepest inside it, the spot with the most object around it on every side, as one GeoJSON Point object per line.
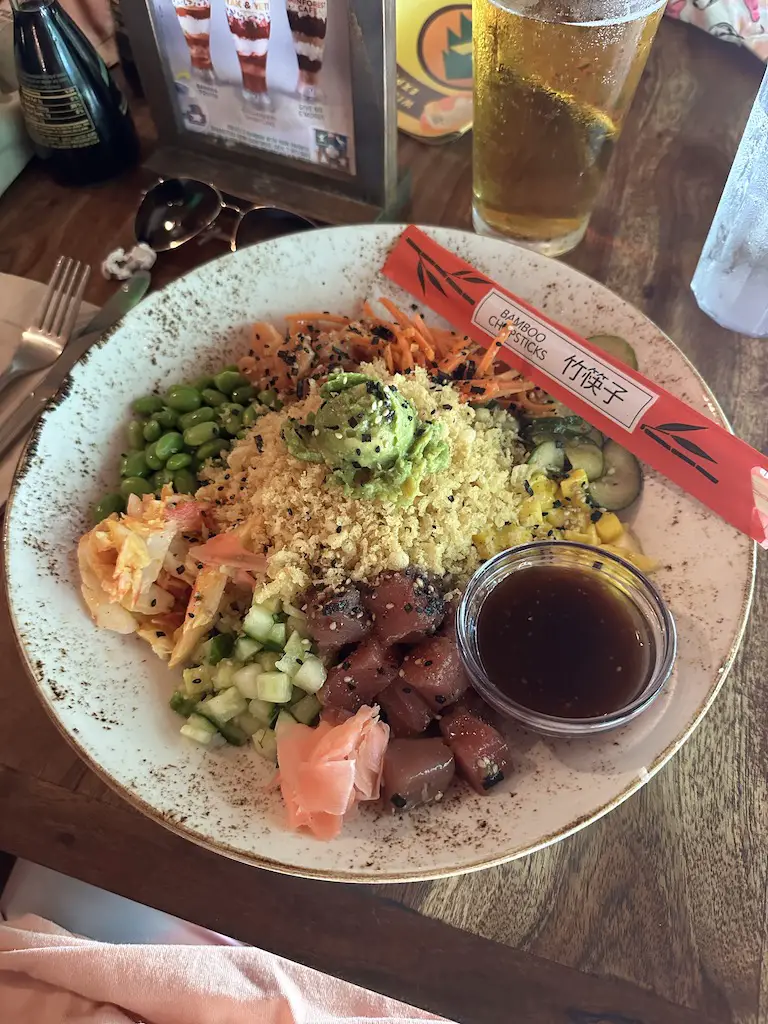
{"type": "Point", "coordinates": [184, 482]}
{"type": "Point", "coordinates": [202, 415]}
{"type": "Point", "coordinates": [147, 405]}
{"type": "Point", "coordinates": [202, 383]}
{"type": "Point", "coordinates": [244, 394]}
{"type": "Point", "coordinates": [152, 431]}
{"type": "Point", "coordinates": [179, 461]}
{"type": "Point", "coordinates": [228, 380]}
{"type": "Point", "coordinates": [134, 464]}
{"type": "Point", "coordinates": [183, 398]}
{"type": "Point", "coordinates": [167, 418]}
{"type": "Point", "coordinates": [199, 434]}
{"type": "Point", "coordinates": [135, 434]}
{"type": "Point", "coordinates": [230, 366]}
{"type": "Point", "coordinates": [213, 397]}
{"type": "Point", "coordinates": [252, 413]}
{"type": "Point", "coordinates": [168, 445]}
{"type": "Point", "coordinates": [151, 456]}
{"type": "Point", "coordinates": [230, 417]}
{"type": "Point", "coordinates": [268, 398]}
{"type": "Point", "coordinates": [210, 450]}
{"type": "Point", "coordinates": [161, 478]}
{"type": "Point", "coordinates": [109, 503]}
{"type": "Point", "coordinates": [135, 485]}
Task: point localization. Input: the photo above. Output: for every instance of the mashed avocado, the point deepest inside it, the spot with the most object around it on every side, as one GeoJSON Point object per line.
{"type": "Point", "coordinates": [370, 437]}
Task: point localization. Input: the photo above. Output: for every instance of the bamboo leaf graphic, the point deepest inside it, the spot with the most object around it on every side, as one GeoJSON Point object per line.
{"type": "Point", "coordinates": [420, 275]}
{"type": "Point", "coordinates": [476, 280]}
{"type": "Point", "coordinates": [434, 282]}
{"type": "Point", "coordinates": [456, 287]}
{"type": "Point", "coordinates": [461, 273]}
{"type": "Point", "coordinates": [677, 427]}
{"type": "Point", "coordinates": [692, 448]}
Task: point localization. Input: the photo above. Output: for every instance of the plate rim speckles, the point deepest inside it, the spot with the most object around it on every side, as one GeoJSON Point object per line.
{"type": "Point", "coordinates": [344, 258]}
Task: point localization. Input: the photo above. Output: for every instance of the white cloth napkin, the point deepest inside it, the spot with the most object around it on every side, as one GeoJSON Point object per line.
{"type": "Point", "coordinates": [48, 976]}
{"type": "Point", "coordinates": [19, 299]}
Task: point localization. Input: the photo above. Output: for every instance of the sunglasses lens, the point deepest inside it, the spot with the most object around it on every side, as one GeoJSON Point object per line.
{"type": "Point", "coordinates": [269, 222]}
{"type": "Point", "coordinates": [174, 211]}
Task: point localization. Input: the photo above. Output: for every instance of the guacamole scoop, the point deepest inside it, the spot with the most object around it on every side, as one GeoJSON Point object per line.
{"type": "Point", "coordinates": [370, 437]}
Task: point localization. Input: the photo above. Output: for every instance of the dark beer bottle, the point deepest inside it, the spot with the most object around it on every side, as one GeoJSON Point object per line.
{"type": "Point", "coordinates": [76, 116]}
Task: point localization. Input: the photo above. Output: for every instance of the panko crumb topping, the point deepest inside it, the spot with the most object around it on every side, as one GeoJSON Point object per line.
{"type": "Point", "coordinates": [295, 514]}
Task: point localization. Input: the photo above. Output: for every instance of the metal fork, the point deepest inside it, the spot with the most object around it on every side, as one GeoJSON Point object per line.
{"type": "Point", "coordinates": [43, 341]}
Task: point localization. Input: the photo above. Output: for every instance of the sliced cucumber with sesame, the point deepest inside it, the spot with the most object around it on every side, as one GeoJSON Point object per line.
{"type": "Point", "coordinates": [587, 456]}
{"type": "Point", "coordinates": [621, 482]}
{"type": "Point", "coordinates": [548, 456]}
{"type": "Point", "coordinates": [616, 347]}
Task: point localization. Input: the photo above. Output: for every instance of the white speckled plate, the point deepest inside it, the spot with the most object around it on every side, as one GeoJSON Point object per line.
{"type": "Point", "coordinates": [108, 694]}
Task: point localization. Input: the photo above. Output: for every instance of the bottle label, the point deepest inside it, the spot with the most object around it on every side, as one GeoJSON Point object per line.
{"type": "Point", "coordinates": [54, 112]}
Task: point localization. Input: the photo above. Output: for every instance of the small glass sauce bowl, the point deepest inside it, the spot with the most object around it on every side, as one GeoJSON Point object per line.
{"type": "Point", "coordinates": [629, 584]}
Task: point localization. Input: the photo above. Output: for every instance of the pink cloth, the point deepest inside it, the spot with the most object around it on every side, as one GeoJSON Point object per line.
{"type": "Point", "coordinates": [744, 22]}
{"type": "Point", "coordinates": [48, 976]}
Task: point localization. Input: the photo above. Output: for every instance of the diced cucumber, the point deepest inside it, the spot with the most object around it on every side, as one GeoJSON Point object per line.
{"type": "Point", "coordinates": [223, 706]}
{"type": "Point", "coordinates": [587, 456]}
{"type": "Point", "coordinates": [247, 723]}
{"type": "Point", "coordinates": [311, 674]}
{"type": "Point", "coordinates": [297, 625]}
{"type": "Point", "coordinates": [275, 687]}
{"type": "Point", "coordinates": [224, 674]}
{"type": "Point", "coordinates": [232, 733]}
{"type": "Point", "coordinates": [285, 720]}
{"type": "Point", "coordinates": [182, 704]}
{"type": "Point", "coordinates": [246, 648]}
{"type": "Point", "coordinates": [199, 729]}
{"type": "Point", "coordinates": [621, 482]}
{"type": "Point", "coordinates": [246, 681]}
{"type": "Point", "coordinates": [267, 660]}
{"type": "Point", "coordinates": [616, 347]}
{"type": "Point", "coordinates": [263, 710]}
{"type": "Point", "coordinates": [307, 709]}
{"type": "Point", "coordinates": [293, 657]}
{"type": "Point", "coordinates": [258, 623]}
{"type": "Point", "coordinates": [265, 742]}
{"type": "Point", "coordinates": [197, 681]}
{"type": "Point", "coordinates": [219, 646]}
{"type": "Point", "coordinates": [547, 456]}
{"type": "Point", "coordinates": [276, 639]}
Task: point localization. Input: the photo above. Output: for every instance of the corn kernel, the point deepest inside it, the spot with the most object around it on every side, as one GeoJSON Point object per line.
{"type": "Point", "coordinates": [556, 518]}
{"type": "Point", "coordinates": [609, 527]}
{"type": "Point", "coordinates": [513, 536]}
{"type": "Point", "coordinates": [544, 488]}
{"type": "Point", "coordinates": [574, 484]}
{"type": "Point", "coordinates": [530, 512]}
{"type": "Point", "coordinates": [586, 536]}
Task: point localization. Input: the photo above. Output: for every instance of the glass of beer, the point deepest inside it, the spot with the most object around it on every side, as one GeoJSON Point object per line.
{"type": "Point", "coordinates": [195, 20]}
{"type": "Point", "coordinates": [553, 82]}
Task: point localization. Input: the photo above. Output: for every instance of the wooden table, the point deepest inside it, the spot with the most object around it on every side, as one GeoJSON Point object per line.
{"type": "Point", "coordinates": [657, 913]}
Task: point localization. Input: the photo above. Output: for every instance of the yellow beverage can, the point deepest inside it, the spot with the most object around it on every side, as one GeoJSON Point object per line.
{"type": "Point", "coordinates": [434, 69]}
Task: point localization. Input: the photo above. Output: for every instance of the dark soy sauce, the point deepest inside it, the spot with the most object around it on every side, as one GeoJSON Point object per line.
{"type": "Point", "coordinates": [564, 642]}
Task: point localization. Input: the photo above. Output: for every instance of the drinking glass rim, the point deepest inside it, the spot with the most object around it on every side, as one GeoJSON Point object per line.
{"type": "Point", "coordinates": [556, 725]}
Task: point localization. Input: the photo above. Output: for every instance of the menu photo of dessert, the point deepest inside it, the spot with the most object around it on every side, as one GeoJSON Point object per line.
{"type": "Point", "coordinates": [270, 74]}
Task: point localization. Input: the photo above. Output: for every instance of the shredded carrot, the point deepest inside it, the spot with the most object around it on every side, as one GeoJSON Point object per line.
{"type": "Point", "coordinates": [399, 317]}
{"type": "Point", "coordinates": [389, 362]}
{"type": "Point", "coordinates": [408, 341]}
